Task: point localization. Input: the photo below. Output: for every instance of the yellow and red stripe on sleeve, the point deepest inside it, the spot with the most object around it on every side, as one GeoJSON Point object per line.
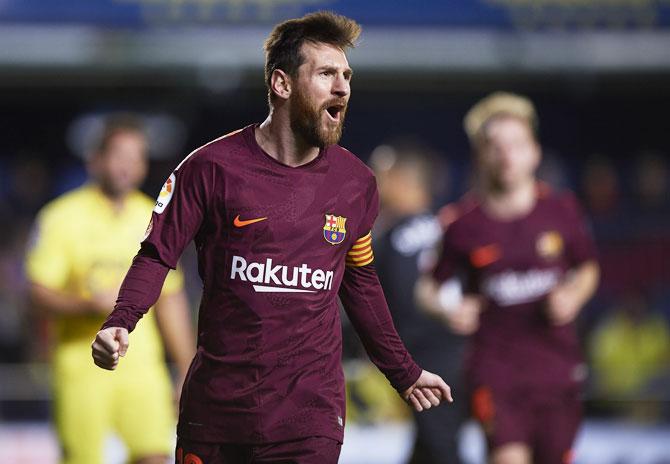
{"type": "Point", "coordinates": [361, 252]}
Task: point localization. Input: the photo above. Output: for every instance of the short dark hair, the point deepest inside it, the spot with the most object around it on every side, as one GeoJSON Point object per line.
{"type": "Point", "coordinates": [115, 124]}
{"type": "Point", "coordinates": [282, 47]}
{"type": "Point", "coordinates": [410, 152]}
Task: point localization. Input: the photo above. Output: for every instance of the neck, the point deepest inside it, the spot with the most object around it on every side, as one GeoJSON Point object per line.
{"type": "Point", "coordinates": [117, 200]}
{"type": "Point", "coordinates": [278, 140]}
{"type": "Point", "coordinates": [510, 203]}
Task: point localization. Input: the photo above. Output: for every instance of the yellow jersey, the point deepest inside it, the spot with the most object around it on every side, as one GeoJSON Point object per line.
{"type": "Point", "coordinates": [82, 246]}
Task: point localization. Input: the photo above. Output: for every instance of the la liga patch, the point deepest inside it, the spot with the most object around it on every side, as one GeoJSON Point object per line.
{"type": "Point", "coordinates": [166, 194]}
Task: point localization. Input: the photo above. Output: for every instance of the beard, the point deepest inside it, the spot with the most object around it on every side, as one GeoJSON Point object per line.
{"type": "Point", "coordinates": [306, 121]}
{"type": "Point", "coordinates": [114, 189]}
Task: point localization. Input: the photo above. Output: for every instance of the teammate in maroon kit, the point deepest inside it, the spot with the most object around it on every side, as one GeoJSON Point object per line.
{"type": "Point", "coordinates": [281, 218]}
{"type": "Point", "coordinates": [517, 264]}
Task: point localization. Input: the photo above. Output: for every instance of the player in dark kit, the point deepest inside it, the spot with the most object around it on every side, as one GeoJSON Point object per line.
{"type": "Point", "coordinates": [281, 218]}
{"type": "Point", "coordinates": [407, 175]}
{"type": "Point", "coordinates": [527, 265]}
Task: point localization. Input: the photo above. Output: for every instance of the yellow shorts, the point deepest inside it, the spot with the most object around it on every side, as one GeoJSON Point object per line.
{"type": "Point", "coordinates": [135, 402]}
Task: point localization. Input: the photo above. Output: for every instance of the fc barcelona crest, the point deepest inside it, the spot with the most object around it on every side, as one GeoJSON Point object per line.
{"type": "Point", "coordinates": [549, 244]}
{"type": "Point", "coordinates": [334, 231]}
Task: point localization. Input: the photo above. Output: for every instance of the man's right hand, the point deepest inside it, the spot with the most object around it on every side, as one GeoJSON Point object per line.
{"type": "Point", "coordinates": [464, 319]}
{"type": "Point", "coordinates": [458, 311]}
{"type": "Point", "coordinates": [108, 346]}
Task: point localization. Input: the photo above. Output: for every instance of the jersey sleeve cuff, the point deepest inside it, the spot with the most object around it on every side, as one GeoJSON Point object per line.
{"type": "Point", "coordinates": [120, 318]}
{"type": "Point", "coordinates": [413, 374]}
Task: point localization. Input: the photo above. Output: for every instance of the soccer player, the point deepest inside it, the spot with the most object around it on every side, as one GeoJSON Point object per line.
{"type": "Point", "coordinates": [281, 218]}
{"type": "Point", "coordinates": [526, 264]}
{"type": "Point", "coordinates": [84, 242]}
{"type": "Point", "coordinates": [406, 173]}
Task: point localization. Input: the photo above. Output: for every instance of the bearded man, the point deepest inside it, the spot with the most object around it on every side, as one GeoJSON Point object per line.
{"type": "Point", "coordinates": [281, 218]}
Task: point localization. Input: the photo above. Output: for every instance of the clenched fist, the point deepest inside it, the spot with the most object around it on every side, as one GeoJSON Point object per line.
{"type": "Point", "coordinates": [108, 346]}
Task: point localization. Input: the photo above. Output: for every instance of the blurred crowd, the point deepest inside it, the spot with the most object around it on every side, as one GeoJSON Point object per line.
{"type": "Point", "coordinates": [625, 329]}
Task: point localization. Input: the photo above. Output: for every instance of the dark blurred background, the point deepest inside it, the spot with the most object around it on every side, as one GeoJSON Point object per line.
{"type": "Point", "coordinates": [598, 71]}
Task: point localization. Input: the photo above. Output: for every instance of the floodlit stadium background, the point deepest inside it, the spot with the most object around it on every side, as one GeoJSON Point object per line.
{"type": "Point", "coordinates": [599, 72]}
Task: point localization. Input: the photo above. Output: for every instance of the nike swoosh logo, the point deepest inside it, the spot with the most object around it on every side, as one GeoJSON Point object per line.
{"type": "Point", "coordinates": [485, 255]}
{"type": "Point", "coordinates": [237, 222]}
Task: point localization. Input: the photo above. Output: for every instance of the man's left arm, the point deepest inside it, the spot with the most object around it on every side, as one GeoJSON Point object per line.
{"type": "Point", "coordinates": [581, 281]}
{"type": "Point", "coordinates": [365, 304]}
{"type": "Point", "coordinates": [567, 298]}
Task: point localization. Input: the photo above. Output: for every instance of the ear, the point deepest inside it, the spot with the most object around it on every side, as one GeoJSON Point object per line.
{"type": "Point", "coordinates": [93, 164]}
{"type": "Point", "coordinates": [280, 84]}
{"type": "Point", "coordinates": [539, 154]}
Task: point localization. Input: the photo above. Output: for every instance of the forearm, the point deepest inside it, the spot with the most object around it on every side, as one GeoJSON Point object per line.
{"type": "Point", "coordinates": [140, 291]}
{"type": "Point", "coordinates": [438, 298]}
{"type": "Point", "coordinates": [582, 282]}
{"type": "Point", "coordinates": [57, 302]}
{"type": "Point", "coordinates": [174, 323]}
{"type": "Point", "coordinates": [426, 296]}
{"type": "Point", "coordinates": [447, 303]}
{"type": "Point", "coordinates": [366, 307]}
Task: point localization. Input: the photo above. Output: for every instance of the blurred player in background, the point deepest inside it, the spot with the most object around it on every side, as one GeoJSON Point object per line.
{"type": "Point", "coordinates": [527, 265]}
{"type": "Point", "coordinates": [281, 217]}
{"type": "Point", "coordinates": [84, 242]}
{"type": "Point", "coordinates": [406, 176]}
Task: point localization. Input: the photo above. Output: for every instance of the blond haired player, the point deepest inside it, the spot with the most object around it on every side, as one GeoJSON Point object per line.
{"type": "Point", "coordinates": [84, 242]}
{"type": "Point", "coordinates": [527, 265]}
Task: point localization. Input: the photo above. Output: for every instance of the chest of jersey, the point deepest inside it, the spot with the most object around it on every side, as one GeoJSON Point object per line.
{"type": "Point", "coordinates": [287, 233]}
{"type": "Point", "coordinates": [519, 261]}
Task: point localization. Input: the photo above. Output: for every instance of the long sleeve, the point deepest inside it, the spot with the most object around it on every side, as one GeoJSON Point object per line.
{"type": "Point", "coordinates": [580, 246]}
{"type": "Point", "coordinates": [365, 304]}
{"type": "Point", "coordinates": [139, 291]}
{"type": "Point", "coordinates": [180, 208]}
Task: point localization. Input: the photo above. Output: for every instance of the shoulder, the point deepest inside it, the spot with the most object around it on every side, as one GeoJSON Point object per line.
{"type": "Point", "coordinates": [350, 164]}
{"type": "Point", "coordinates": [66, 204]}
{"type": "Point", "coordinates": [415, 234]}
{"type": "Point", "coordinates": [460, 212]}
{"type": "Point", "coordinates": [216, 151]}
{"type": "Point", "coordinates": [142, 201]}
{"type": "Point", "coordinates": [60, 216]}
{"type": "Point", "coordinates": [564, 201]}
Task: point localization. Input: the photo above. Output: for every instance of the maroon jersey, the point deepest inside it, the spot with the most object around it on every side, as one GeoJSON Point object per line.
{"type": "Point", "coordinates": [514, 265]}
{"type": "Point", "coordinates": [275, 246]}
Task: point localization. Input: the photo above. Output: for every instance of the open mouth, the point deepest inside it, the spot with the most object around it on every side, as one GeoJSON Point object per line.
{"type": "Point", "coordinates": [335, 112]}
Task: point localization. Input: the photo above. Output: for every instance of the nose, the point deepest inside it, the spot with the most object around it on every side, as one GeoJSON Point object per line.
{"type": "Point", "coordinates": [507, 158]}
{"type": "Point", "coordinates": [341, 86]}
